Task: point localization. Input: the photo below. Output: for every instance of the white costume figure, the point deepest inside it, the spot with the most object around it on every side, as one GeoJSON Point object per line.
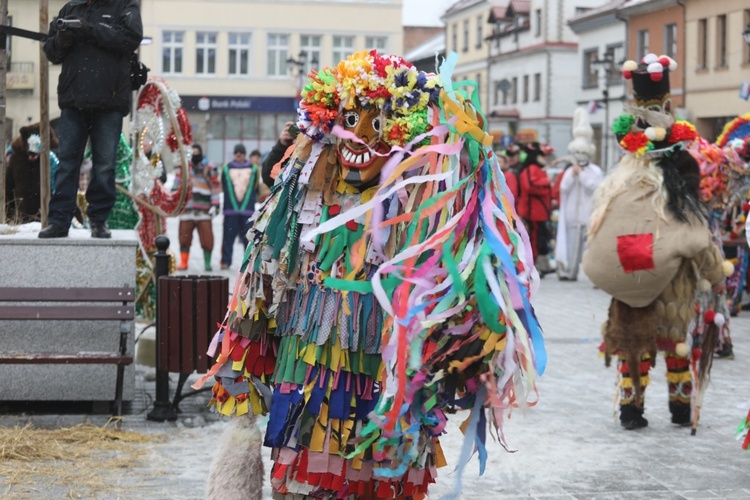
{"type": "Point", "coordinates": [579, 182]}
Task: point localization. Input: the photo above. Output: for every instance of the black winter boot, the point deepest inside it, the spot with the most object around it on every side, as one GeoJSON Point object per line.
{"type": "Point", "coordinates": [680, 413]}
{"type": "Point", "coordinates": [631, 418]}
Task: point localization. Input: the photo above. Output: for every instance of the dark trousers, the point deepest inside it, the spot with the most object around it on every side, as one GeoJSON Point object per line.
{"type": "Point", "coordinates": [75, 128]}
{"type": "Point", "coordinates": [234, 225]}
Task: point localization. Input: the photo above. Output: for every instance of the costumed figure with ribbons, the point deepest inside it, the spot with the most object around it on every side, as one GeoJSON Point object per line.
{"type": "Point", "coordinates": [735, 143]}
{"type": "Point", "coordinates": [649, 246]}
{"type": "Point", "coordinates": [387, 284]}
{"type": "Point", "coordinates": [143, 202]}
{"type": "Point", "coordinates": [724, 187]}
{"type": "Point", "coordinates": [577, 185]}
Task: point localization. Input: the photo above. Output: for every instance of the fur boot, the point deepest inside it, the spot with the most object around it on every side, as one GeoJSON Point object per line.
{"type": "Point", "coordinates": [631, 332]}
{"type": "Point", "coordinates": [237, 470]}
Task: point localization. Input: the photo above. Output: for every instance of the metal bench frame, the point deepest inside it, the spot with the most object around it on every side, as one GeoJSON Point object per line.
{"type": "Point", "coordinates": [73, 304]}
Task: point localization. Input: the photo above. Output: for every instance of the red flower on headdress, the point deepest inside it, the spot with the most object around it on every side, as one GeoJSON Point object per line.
{"type": "Point", "coordinates": [635, 142]}
{"type": "Point", "coordinates": [379, 63]}
{"type": "Point", "coordinates": [682, 131]}
{"type": "Point", "coordinates": [378, 92]}
{"type": "Point", "coordinates": [397, 134]}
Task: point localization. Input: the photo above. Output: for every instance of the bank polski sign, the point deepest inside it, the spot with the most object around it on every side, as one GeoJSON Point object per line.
{"type": "Point", "coordinates": [225, 104]}
{"type": "Point", "coordinates": [239, 104]}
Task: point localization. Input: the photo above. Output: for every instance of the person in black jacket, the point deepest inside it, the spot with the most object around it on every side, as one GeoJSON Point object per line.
{"type": "Point", "coordinates": [286, 138]}
{"type": "Point", "coordinates": [94, 94]}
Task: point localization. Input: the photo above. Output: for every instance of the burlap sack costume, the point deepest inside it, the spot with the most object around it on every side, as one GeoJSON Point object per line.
{"type": "Point", "coordinates": [640, 254]}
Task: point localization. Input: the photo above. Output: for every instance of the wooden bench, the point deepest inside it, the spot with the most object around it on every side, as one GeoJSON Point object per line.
{"type": "Point", "coordinates": [72, 304]}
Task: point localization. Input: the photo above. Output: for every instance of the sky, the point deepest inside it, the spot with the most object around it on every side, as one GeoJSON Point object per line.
{"type": "Point", "coordinates": [424, 12]}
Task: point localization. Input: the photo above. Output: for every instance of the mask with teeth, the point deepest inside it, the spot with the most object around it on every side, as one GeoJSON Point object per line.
{"type": "Point", "coordinates": [360, 168]}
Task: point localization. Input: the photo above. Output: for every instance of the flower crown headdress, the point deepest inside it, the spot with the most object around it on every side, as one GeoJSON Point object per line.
{"type": "Point", "coordinates": [394, 85]}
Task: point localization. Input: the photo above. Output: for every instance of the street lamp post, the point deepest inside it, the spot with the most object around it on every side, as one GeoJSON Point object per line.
{"type": "Point", "coordinates": [606, 63]}
{"type": "Point", "coordinates": [300, 63]}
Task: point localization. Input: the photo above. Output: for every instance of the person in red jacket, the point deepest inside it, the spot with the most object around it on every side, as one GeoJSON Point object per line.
{"type": "Point", "coordinates": [510, 176]}
{"type": "Point", "coordinates": [534, 203]}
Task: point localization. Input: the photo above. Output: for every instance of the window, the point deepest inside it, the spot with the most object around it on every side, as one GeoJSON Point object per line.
{"type": "Point", "coordinates": [171, 57]}
{"type": "Point", "coordinates": [496, 94]}
{"type": "Point", "coordinates": [525, 88]}
{"type": "Point", "coordinates": [277, 54]}
{"type": "Point", "coordinates": [514, 90]}
{"type": "Point", "coordinates": [376, 42]}
{"type": "Point", "coordinates": [454, 39]}
{"type": "Point", "coordinates": [479, 32]}
{"type": "Point", "coordinates": [239, 53]}
{"type": "Point", "coordinates": [642, 43]}
{"type": "Point", "coordinates": [670, 40]}
{"type": "Point", "coordinates": [721, 41]}
{"type": "Point", "coordinates": [504, 87]}
{"type": "Point", "coordinates": [465, 46]}
{"type": "Point", "coordinates": [310, 44]}
{"type": "Point", "coordinates": [479, 83]}
{"type": "Point", "coordinates": [590, 75]}
{"type": "Point", "coordinates": [615, 53]}
{"type": "Point", "coordinates": [745, 46]}
{"type": "Point", "coordinates": [537, 87]}
{"type": "Point", "coordinates": [342, 47]}
{"type": "Point", "coordinates": [702, 43]}
{"type": "Point", "coordinates": [205, 53]}
{"type": "Point", "coordinates": [538, 22]}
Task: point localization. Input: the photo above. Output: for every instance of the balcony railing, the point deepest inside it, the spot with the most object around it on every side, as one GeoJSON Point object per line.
{"type": "Point", "coordinates": [20, 76]}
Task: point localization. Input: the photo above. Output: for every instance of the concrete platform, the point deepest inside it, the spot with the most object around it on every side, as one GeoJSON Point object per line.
{"type": "Point", "coordinates": [78, 261]}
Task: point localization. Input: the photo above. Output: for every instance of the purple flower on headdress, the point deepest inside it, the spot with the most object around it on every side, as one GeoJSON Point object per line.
{"type": "Point", "coordinates": [400, 79]}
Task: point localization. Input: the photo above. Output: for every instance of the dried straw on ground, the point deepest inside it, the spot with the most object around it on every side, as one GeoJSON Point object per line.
{"type": "Point", "coordinates": [81, 461]}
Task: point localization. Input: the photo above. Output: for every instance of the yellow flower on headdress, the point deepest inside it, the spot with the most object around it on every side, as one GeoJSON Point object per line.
{"type": "Point", "coordinates": [352, 73]}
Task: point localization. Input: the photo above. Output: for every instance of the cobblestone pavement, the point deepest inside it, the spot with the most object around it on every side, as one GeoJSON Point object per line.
{"type": "Point", "coordinates": [569, 445]}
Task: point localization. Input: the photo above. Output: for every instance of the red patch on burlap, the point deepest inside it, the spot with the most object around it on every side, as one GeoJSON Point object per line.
{"type": "Point", "coordinates": [636, 252]}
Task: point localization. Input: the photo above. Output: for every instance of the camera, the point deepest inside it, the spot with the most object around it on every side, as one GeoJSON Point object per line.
{"type": "Point", "coordinates": [294, 131]}
{"type": "Point", "coordinates": [68, 24]}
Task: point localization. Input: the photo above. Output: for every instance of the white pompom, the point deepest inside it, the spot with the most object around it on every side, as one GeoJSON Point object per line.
{"type": "Point", "coordinates": [727, 267]}
{"type": "Point", "coordinates": [630, 66]}
{"type": "Point", "coordinates": [655, 67]}
{"type": "Point", "coordinates": [650, 133]}
{"type": "Point", "coordinates": [672, 64]}
{"type": "Point", "coordinates": [682, 349]}
{"type": "Point", "coordinates": [650, 59]}
{"type": "Point", "coordinates": [719, 320]}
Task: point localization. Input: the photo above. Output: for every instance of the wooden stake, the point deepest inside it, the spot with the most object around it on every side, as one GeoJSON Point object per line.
{"type": "Point", "coordinates": [3, 74]}
{"type": "Point", "coordinates": [44, 186]}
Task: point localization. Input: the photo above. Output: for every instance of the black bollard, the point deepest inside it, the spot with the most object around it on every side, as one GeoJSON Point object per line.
{"type": "Point", "coordinates": [163, 409]}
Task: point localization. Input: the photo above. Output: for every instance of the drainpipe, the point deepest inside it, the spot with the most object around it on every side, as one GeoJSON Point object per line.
{"type": "Point", "coordinates": [681, 66]}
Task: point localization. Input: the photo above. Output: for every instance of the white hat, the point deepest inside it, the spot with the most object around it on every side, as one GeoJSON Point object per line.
{"type": "Point", "coordinates": [583, 134]}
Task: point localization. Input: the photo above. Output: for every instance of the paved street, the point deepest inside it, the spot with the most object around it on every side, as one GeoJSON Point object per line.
{"type": "Point", "coordinates": [569, 445]}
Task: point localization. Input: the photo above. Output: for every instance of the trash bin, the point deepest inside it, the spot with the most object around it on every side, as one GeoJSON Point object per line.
{"type": "Point", "coordinates": [189, 310]}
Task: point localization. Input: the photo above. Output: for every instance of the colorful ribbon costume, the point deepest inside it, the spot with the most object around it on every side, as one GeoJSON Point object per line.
{"type": "Point", "coordinates": [386, 284]}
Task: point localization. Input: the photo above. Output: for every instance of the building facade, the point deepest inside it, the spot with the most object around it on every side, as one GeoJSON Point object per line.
{"type": "Point", "coordinates": [601, 52]}
{"type": "Point", "coordinates": [226, 58]}
{"type": "Point", "coordinates": [533, 57]}
{"type": "Point", "coordinates": [465, 33]}
{"type": "Point", "coordinates": [717, 61]}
